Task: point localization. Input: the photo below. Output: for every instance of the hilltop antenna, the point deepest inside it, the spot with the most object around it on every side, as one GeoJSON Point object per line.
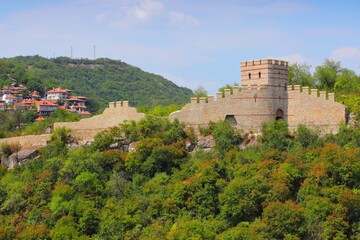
{"type": "Point", "coordinates": [94, 52]}
{"type": "Point", "coordinates": [71, 52]}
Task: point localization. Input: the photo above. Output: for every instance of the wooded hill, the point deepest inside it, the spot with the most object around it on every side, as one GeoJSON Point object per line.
{"type": "Point", "coordinates": [101, 80]}
{"type": "Point", "coordinates": [286, 187]}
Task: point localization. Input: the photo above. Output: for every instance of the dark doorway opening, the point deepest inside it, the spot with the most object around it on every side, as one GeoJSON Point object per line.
{"type": "Point", "coordinates": [231, 120]}
{"type": "Point", "coordinates": [279, 114]}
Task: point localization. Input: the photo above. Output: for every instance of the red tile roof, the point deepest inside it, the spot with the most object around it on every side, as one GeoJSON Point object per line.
{"type": "Point", "coordinates": [59, 90]}
{"type": "Point", "coordinates": [77, 99]}
{"type": "Point", "coordinates": [28, 101]}
{"type": "Point", "coordinates": [39, 119]}
{"type": "Point", "coordinates": [85, 113]}
{"type": "Point", "coordinates": [78, 106]}
{"type": "Point", "coordinates": [20, 104]}
{"type": "Point", "coordinates": [35, 94]}
{"type": "Point", "coordinates": [46, 103]}
{"type": "Point", "coordinates": [10, 96]}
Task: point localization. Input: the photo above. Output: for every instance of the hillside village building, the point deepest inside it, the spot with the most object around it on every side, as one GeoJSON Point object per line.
{"type": "Point", "coordinates": [77, 104]}
{"type": "Point", "coordinates": [58, 94]}
{"type": "Point", "coordinates": [45, 107]}
{"type": "Point", "coordinates": [11, 98]}
{"type": "Point", "coordinates": [8, 98]}
{"type": "Point", "coordinates": [265, 96]}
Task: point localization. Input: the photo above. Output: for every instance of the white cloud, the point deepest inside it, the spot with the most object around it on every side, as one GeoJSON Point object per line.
{"type": "Point", "coordinates": [346, 53]}
{"type": "Point", "coordinates": [145, 10]}
{"type": "Point", "coordinates": [348, 56]}
{"type": "Point", "coordinates": [183, 19]}
{"type": "Point", "coordinates": [125, 14]}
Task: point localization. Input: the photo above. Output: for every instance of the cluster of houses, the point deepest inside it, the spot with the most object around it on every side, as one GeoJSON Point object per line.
{"type": "Point", "coordinates": [16, 97]}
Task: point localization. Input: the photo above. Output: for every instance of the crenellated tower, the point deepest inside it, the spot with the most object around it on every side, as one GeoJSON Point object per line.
{"type": "Point", "coordinates": [268, 72]}
{"type": "Point", "coordinates": [272, 75]}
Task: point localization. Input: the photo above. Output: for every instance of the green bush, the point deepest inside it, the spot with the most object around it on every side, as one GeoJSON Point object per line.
{"type": "Point", "coordinates": [226, 136]}
{"type": "Point", "coordinates": [275, 134]}
{"type": "Point", "coordinates": [307, 137]}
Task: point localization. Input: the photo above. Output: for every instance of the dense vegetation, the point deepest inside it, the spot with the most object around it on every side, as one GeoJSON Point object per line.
{"type": "Point", "coordinates": [18, 122]}
{"type": "Point", "coordinates": [101, 80]}
{"type": "Point", "coordinates": [285, 187]}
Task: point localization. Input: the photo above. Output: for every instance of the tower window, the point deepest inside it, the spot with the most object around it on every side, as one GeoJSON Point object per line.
{"type": "Point", "coordinates": [259, 74]}
{"type": "Point", "coordinates": [249, 75]}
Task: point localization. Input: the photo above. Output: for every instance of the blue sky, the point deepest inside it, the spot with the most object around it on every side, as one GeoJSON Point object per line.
{"type": "Point", "coordinates": [190, 42]}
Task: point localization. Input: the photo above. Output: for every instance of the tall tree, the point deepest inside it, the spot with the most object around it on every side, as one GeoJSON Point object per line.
{"type": "Point", "coordinates": [347, 81]}
{"type": "Point", "coordinates": [200, 92]}
{"type": "Point", "coordinates": [327, 73]}
{"type": "Point", "coordinates": [300, 74]}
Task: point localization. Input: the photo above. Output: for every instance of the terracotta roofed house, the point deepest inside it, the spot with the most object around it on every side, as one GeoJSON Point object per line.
{"type": "Point", "coordinates": [78, 104]}
{"type": "Point", "coordinates": [45, 107]}
{"type": "Point", "coordinates": [35, 95]}
{"type": "Point", "coordinates": [58, 94]}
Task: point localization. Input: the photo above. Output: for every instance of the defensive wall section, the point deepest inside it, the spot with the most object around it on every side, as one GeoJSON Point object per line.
{"type": "Point", "coordinates": [265, 96]}
{"type": "Point", "coordinates": [315, 109]}
{"type": "Point", "coordinates": [27, 142]}
{"type": "Point", "coordinates": [116, 113]}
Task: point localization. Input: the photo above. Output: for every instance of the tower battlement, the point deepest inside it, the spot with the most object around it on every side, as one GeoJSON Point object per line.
{"type": "Point", "coordinates": [263, 62]}
{"type": "Point", "coordinates": [266, 71]}
{"type": "Point", "coordinates": [118, 104]}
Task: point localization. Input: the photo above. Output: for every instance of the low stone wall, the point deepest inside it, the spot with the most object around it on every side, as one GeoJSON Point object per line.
{"type": "Point", "coordinates": [315, 109]}
{"type": "Point", "coordinates": [28, 142]}
{"type": "Point", "coordinates": [116, 113]}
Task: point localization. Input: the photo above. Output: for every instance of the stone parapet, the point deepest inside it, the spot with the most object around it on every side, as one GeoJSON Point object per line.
{"type": "Point", "coordinates": [28, 142]}
{"type": "Point", "coordinates": [116, 113]}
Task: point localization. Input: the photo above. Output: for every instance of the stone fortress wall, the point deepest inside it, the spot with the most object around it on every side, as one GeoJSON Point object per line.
{"type": "Point", "coordinates": [263, 97]}
{"type": "Point", "coordinates": [116, 113]}
{"type": "Point", "coordinates": [27, 142]}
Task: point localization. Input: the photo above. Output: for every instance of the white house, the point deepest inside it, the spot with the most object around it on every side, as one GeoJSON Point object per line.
{"type": "Point", "coordinates": [58, 94]}
{"type": "Point", "coordinates": [8, 98]}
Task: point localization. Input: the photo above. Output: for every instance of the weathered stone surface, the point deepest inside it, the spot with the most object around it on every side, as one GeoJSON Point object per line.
{"type": "Point", "coordinates": [116, 113]}
{"type": "Point", "coordinates": [28, 142]}
{"type": "Point", "coordinates": [189, 146]}
{"type": "Point", "coordinates": [19, 157]}
{"type": "Point", "coordinates": [206, 142]}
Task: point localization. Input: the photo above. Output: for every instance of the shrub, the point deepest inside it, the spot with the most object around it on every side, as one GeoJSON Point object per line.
{"type": "Point", "coordinates": [276, 135]}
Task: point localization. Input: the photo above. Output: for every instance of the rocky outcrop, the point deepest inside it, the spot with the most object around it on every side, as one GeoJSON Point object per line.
{"type": "Point", "coordinates": [19, 157]}
{"type": "Point", "coordinates": [206, 143]}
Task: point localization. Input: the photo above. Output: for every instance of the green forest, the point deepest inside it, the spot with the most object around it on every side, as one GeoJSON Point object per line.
{"type": "Point", "coordinates": [102, 80]}
{"type": "Point", "coordinates": [301, 186]}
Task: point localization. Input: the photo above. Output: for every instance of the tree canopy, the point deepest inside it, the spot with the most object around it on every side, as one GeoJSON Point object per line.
{"type": "Point", "coordinates": [285, 187]}
{"type": "Point", "coordinates": [102, 80]}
